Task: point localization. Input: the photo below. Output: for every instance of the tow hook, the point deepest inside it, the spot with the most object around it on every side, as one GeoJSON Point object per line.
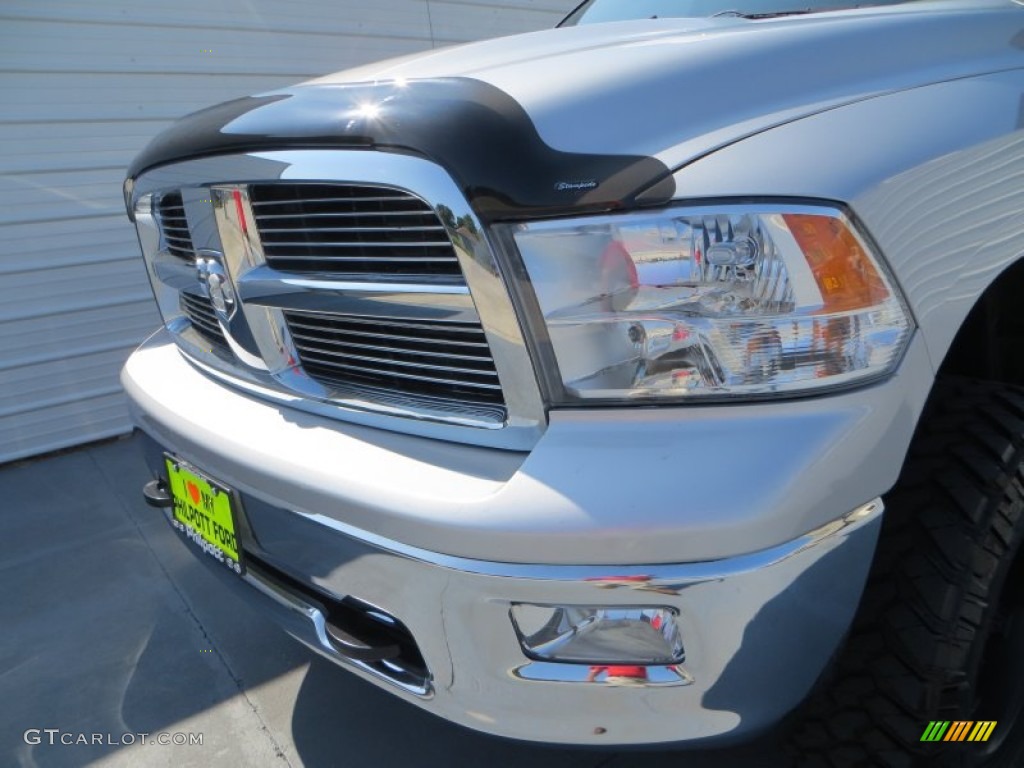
{"type": "Point", "coordinates": [156, 495]}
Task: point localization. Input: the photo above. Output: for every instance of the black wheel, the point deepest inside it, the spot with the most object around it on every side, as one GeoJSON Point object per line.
{"type": "Point", "coordinates": [939, 635]}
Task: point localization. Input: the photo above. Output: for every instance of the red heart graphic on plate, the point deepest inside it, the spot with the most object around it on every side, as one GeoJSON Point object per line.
{"type": "Point", "coordinates": [193, 491]}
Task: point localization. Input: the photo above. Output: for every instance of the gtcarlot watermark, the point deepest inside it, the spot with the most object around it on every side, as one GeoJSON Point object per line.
{"type": "Point", "coordinates": [55, 736]}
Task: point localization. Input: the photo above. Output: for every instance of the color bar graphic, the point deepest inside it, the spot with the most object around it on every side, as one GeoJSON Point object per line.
{"type": "Point", "coordinates": [982, 730]}
{"type": "Point", "coordinates": [935, 731]}
{"type": "Point", "coordinates": [959, 730]}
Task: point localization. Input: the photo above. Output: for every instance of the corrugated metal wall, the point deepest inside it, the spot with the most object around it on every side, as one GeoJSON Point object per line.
{"type": "Point", "coordinates": [84, 85]}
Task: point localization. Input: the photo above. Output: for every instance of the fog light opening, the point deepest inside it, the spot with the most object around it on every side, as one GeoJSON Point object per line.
{"type": "Point", "coordinates": [610, 635]}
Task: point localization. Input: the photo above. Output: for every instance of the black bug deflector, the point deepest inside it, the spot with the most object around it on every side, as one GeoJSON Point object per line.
{"type": "Point", "coordinates": [478, 133]}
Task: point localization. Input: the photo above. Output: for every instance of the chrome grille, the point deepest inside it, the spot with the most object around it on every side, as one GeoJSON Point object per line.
{"type": "Point", "coordinates": [351, 229]}
{"type": "Point", "coordinates": [345, 269]}
{"type": "Point", "coordinates": [199, 311]}
{"type": "Point", "coordinates": [174, 227]}
{"type": "Point", "coordinates": [445, 360]}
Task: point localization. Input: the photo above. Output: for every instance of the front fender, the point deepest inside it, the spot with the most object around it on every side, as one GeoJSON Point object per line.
{"type": "Point", "coordinates": [933, 174]}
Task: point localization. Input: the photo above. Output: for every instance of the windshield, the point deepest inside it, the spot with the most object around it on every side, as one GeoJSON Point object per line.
{"type": "Point", "coordinates": [594, 11]}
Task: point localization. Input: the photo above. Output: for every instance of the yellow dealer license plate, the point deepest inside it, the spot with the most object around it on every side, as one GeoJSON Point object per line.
{"type": "Point", "coordinates": [204, 511]}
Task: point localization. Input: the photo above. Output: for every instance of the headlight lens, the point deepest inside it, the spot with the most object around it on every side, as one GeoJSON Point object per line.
{"type": "Point", "coordinates": [723, 301]}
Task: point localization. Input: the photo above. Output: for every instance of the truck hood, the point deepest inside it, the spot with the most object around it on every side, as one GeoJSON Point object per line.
{"type": "Point", "coordinates": [647, 87]}
{"type": "Point", "coordinates": [591, 116]}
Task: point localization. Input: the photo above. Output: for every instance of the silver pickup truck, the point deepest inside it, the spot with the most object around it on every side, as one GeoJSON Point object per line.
{"type": "Point", "coordinates": [651, 379]}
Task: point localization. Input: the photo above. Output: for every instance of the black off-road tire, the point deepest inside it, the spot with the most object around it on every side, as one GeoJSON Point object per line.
{"type": "Point", "coordinates": [939, 635]}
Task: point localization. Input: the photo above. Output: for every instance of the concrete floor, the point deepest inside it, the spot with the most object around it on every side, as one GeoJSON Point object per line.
{"type": "Point", "coordinates": [109, 625]}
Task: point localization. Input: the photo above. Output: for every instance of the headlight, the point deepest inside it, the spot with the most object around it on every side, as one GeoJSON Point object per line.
{"type": "Point", "coordinates": [731, 300]}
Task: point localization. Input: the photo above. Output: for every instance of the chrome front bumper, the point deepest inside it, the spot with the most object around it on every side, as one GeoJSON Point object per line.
{"type": "Point", "coordinates": [758, 629]}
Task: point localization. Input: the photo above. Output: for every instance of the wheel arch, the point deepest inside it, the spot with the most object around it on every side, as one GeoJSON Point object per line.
{"type": "Point", "coordinates": [989, 344]}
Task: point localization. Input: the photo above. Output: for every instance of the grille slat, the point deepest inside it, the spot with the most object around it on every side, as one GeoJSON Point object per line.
{"type": "Point", "coordinates": [338, 321]}
{"type": "Point", "coordinates": [283, 217]}
{"type": "Point", "coordinates": [289, 230]}
{"type": "Point", "coordinates": [199, 307]}
{"type": "Point", "coordinates": [200, 313]}
{"type": "Point", "coordinates": [408, 362]}
{"type": "Point", "coordinates": [429, 331]}
{"type": "Point", "coordinates": [359, 259]}
{"type": "Point", "coordinates": [449, 353]}
{"type": "Point", "coordinates": [207, 330]}
{"type": "Point", "coordinates": [432, 359]}
{"type": "Point", "coordinates": [207, 325]}
{"type": "Point", "coordinates": [377, 372]}
{"type": "Point", "coordinates": [174, 226]}
{"type": "Point", "coordinates": [351, 229]}
{"type": "Point", "coordinates": [388, 244]}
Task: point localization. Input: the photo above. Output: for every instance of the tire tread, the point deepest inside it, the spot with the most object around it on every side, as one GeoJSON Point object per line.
{"type": "Point", "coordinates": [951, 520]}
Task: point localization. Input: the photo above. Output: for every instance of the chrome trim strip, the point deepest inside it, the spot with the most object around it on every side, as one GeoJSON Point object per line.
{"type": "Point", "coordinates": [236, 225]}
{"type": "Point", "coordinates": [258, 278]}
{"type": "Point", "coordinates": [656, 578]}
{"type": "Point", "coordinates": [383, 199]}
{"type": "Point", "coordinates": [441, 301]}
{"type": "Point", "coordinates": [173, 272]}
{"type": "Point", "coordinates": [662, 676]}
